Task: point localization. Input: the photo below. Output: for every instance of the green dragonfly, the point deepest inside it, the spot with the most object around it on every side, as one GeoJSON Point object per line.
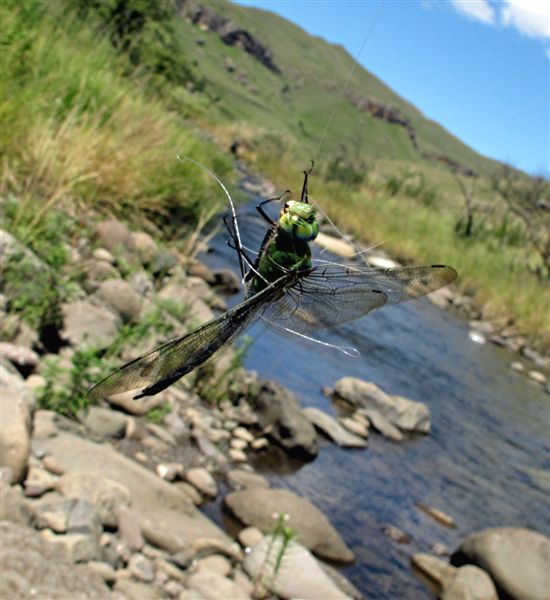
{"type": "Point", "coordinates": [287, 290]}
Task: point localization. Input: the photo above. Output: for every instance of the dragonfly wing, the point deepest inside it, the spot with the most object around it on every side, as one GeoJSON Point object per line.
{"type": "Point", "coordinates": [336, 294]}
{"type": "Point", "coordinates": [164, 365]}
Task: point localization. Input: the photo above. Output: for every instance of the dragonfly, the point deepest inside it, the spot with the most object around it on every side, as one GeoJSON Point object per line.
{"type": "Point", "coordinates": [286, 289]}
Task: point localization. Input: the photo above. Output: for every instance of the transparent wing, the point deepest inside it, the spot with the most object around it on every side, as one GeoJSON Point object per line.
{"type": "Point", "coordinates": [164, 365]}
{"type": "Point", "coordinates": [332, 295]}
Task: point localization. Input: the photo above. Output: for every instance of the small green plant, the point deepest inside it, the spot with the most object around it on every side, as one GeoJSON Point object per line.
{"type": "Point", "coordinates": [281, 536]}
{"type": "Point", "coordinates": [156, 415]}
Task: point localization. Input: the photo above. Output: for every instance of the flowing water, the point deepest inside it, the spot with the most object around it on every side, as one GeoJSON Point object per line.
{"type": "Point", "coordinates": [486, 461]}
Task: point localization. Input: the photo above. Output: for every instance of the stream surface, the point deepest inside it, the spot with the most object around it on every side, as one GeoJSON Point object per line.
{"type": "Point", "coordinates": [486, 461]}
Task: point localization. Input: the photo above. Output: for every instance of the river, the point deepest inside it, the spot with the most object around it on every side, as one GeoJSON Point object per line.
{"type": "Point", "coordinates": [486, 461]}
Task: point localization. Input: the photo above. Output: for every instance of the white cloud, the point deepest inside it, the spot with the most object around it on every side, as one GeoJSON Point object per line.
{"type": "Point", "coordinates": [479, 10]}
{"type": "Point", "coordinates": [530, 17]}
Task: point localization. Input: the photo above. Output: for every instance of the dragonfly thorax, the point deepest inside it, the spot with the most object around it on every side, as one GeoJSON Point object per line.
{"type": "Point", "coordinates": [298, 221]}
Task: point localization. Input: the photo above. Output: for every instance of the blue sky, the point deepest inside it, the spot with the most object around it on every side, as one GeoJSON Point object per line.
{"type": "Point", "coordinates": [480, 68]}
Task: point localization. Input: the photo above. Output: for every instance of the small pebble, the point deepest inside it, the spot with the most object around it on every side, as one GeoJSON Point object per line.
{"type": "Point", "coordinates": [237, 455]}
{"type": "Point", "coordinates": [517, 366]}
{"type": "Point", "coordinates": [250, 537]}
{"type": "Point", "coordinates": [537, 376]}
{"type": "Point", "coordinates": [243, 434]}
{"type": "Point", "coordinates": [260, 443]}
{"type": "Point", "coordinates": [238, 444]}
{"type": "Point", "coordinates": [216, 563]}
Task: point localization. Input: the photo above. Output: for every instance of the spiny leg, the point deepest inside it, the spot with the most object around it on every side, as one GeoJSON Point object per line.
{"type": "Point", "coordinates": [305, 196]}
{"type": "Point", "coordinates": [259, 208]}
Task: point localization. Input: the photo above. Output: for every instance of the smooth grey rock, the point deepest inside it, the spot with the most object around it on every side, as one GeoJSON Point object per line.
{"type": "Point", "coordinates": [38, 482]}
{"type": "Point", "coordinates": [434, 572]}
{"type": "Point", "coordinates": [104, 422]}
{"type": "Point", "coordinates": [470, 583]}
{"type": "Point", "coordinates": [383, 425]}
{"type": "Point", "coordinates": [95, 272]}
{"type": "Point", "coordinates": [516, 559]}
{"type": "Point", "coordinates": [129, 528]}
{"type": "Point", "coordinates": [215, 563]}
{"type": "Point", "coordinates": [257, 507]}
{"type": "Point", "coordinates": [33, 568]}
{"type": "Point", "coordinates": [87, 324]}
{"type": "Point", "coordinates": [330, 426]}
{"type": "Point", "coordinates": [298, 576]}
{"type": "Point", "coordinates": [250, 537]}
{"type": "Point", "coordinates": [79, 547]}
{"type": "Point", "coordinates": [16, 401]}
{"type": "Point", "coordinates": [354, 426]}
{"type": "Point", "coordinates": [203, 481]}
{"type": "Point", "coordinates": [279, 414]}
{"type": "Point", "coordinates": [13, 506]}
{"type": "Point", "coordinates": [167, 517]}
{"type": "Point", "coordinates": [121, 297]}
{"type": "Point", "coordinates": [105, 494]}
{"type": "Point", "coordinates": [146, 247]}
{"type": "Point", "coordinates": [83, 518]}
{"type": "Point", "coordinates": [141, 568]}
{"type": "Point", "coordinates": [116, 238]}
{"type": "Point", "coordinates": [213, 586]}
{"type": "Point", "coordinates": [407, 415]}
{"type": "Point", "coordinates": [237, 455]}
{"type": "Point", "coordinates": [238, 478]}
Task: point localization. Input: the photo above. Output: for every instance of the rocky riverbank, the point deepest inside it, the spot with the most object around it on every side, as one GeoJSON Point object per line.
{"type": "Point", "coordinates": [102, 501]}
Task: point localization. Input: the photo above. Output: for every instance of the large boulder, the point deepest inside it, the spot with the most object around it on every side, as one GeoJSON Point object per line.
{"type": "Point", "coordinates": [16, 402]}
{"type": "Point", "coordinates": [407, 415]}
{"type": "Point", "coordinates": [516, 559]}
{"type": "Point", "coordinates": [121, 297]}
{"type": "Point", "coordinates": [299, 574]}
{"type": "Point", "coordinates": [87, 324]}
{"type": "Point", "coordinates": [33, 568]}
{"type": "Point", "coordinates": [257, 506]}
{"type": "Point", "coordinates": [279, 413]}
{"type": "Point", "coordinates": [117, 239]}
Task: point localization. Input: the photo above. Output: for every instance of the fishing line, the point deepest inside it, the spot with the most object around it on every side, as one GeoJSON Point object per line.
{"type": "Point", "coordinates": [348, 78]}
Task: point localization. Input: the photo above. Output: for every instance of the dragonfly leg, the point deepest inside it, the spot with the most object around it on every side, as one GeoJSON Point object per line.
{"type": "Point", "coordinates": [305, 196]}
{"type": "Point", "coordinates": [260, 209]}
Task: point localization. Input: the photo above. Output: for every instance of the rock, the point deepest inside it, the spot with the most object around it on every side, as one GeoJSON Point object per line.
{"type": "Point", "coordinates": [139, 407]}
{"type": "Point", "coordinates": [258, 505]}
{"type": "Point", "coordinates": [226, 281]}
{"type": "Point", "coordinates": [397, 535]}
{"type": "Point", "coordinates": [146, 247]}
{"type": "Point", "coordinates": [243, 434]}
{"type": "Point", "coordinates": [16, 401]}
{"type": "Point", "coordinates": [173, 589]}
{"type": "Point", "coordinates": [103, 569]}
{"type": "Point", "coordinates": [333, 429]}
{"type": "Point", "coordinates": [356, 427]}
{"type": "Point", "coordinates": [13, 506]}
{"type": "Point", "coordinates": [33, 568]}
{"type": "Point", "coordinates": [134, 590]}
{"type": "Point", "coordinates": [197, 268]}
{"type": "Point", "coordinates": [141, 568]}
{"type": "Point", "coordinates": [260, 443]}
{"type": "Point", "coordinates": [438, 515]}
{"type": "Point", "coordinates": [335, 245]}
{"type": "Point", "coordinates": [381, 424]}
{"type": "Point", "coordinates": [238, 478]}
{"type": "Point", "coordinates": [213, 586]}
{"type": "Point", "coordinates": [161, 433]}
{"type": "Point", "coordinates": [203, 481]}
{"type": "Point", "coordinates": [95, 272]}
{"type": "Point", "coordinates": [121, 297]}
{"type": "Point", "coordinates": [470, 583]}
{"type": "Point", "coordinates": [39, 482]}
{"type": "Point", "coordinates": [250, 537]}
{"type": "Point", "coordinates": [83, 518]}
{"type": "Point", "coordinates": [78, 547]}
{"type": "Point", "coordinates": [238, 444]}
{"type": "Point", "coordinates": [106, 495]}
{"type": "Point", "coordinates": [105, 255]}
{"type": "Point", "coordinates": [205, 546]}
{"type": "Point", "coordinates": [87, 324]}
{"type": "Point", "coordinates": [104, 422]}
{"type": "Point", "coordinates": [179, 292]}
{"type": "Point", "coordinates": [407, 415]}
{"type": "Point", "coordinates": [299, 574]}
{"type": "Point", "coordinates": [44, 425]}
{"type": "Point", "coordinates": [517, 366]}
{"type": "Point", "coordinates": [169, 471]}
{"type": "Point", "coordinates": [537, 376]}
{"type": "Point", "coordinates": [280, 413]}
{"type": "Point", "coordinates": [19, 355]}
{"type": "Point", "coordinates": [190, 491]}
{"type": "Point", "coordinates": [515, 558]}
{"type": "Point", "coordinates": [440, 549]}
{"type": "Point", "coordinates": [164, 263]}
{"type": "Point", "coordinates": [53, 515]}
{"type": "Point", "coordinates": [215, 563]}
{"type": "Point", "coordinates": [129, 528]}
{"type": "Point", "coordinates": [174, 523]}
{"type": "Point", "coordinates": [434, 572]}
{"type": "Point", "coordinates": [116, 238]}
{"type": "Point", "coordinates": [237, 455]}
{"type": "Point", "coordinates": [35, 382]}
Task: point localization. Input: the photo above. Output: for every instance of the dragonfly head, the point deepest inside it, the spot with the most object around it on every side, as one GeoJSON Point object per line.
{"type": "Point", "coordinates": [298, 220]}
